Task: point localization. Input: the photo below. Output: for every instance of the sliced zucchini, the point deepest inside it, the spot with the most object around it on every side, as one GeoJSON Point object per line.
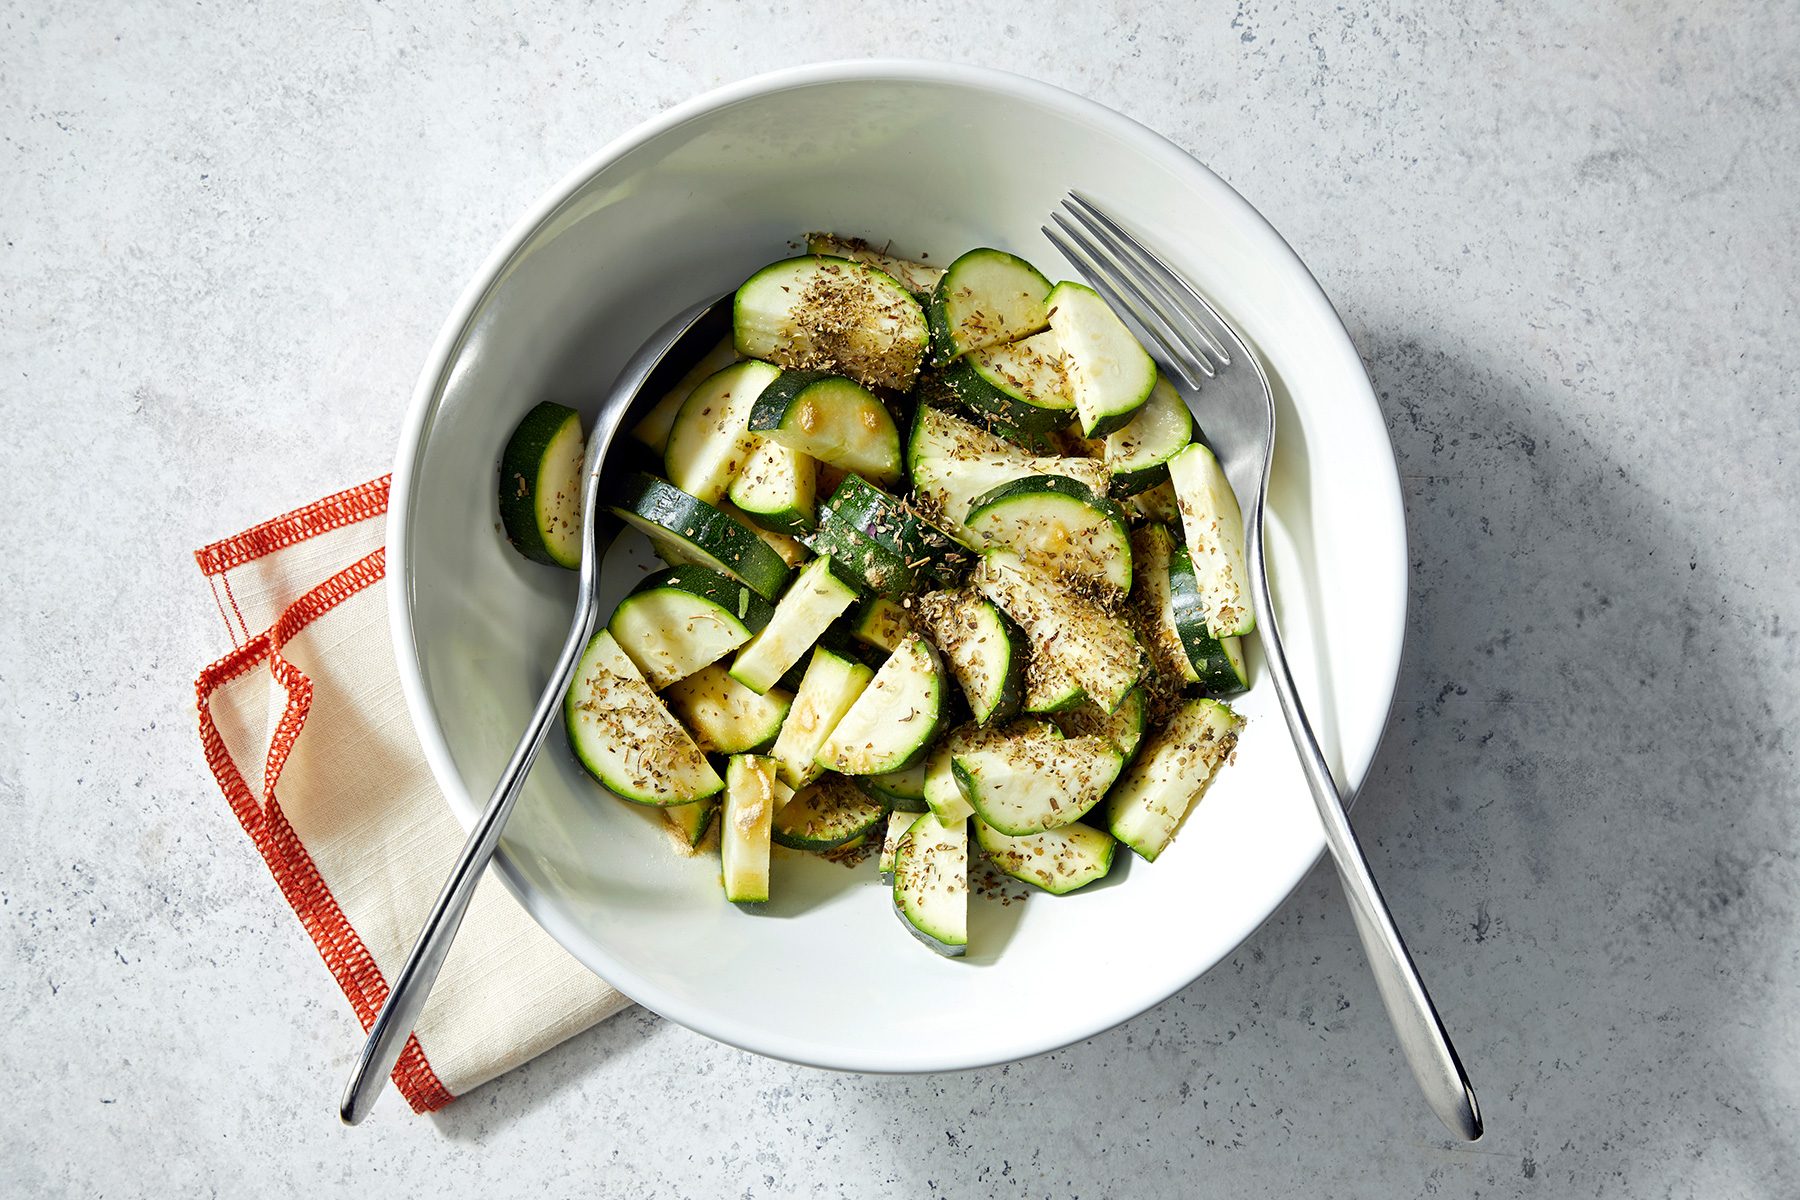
{"type": "Point", "coordinates": [1155, 504]}
{"type": "Point", "coordinates": [1172, 771]}
{"type": "Point", "coordinates": [540, 486]}
{"type": "Point", "coordinates": [1060, 526]}
{"type": "Point", "coordinates": [791, 550]}
{"type": "Point", "coordinates": [917, 277]}
{"type": "Point", "coordinates": [832, 419]}
{"type": "Point", "coordinates": [1215, 540]}
{"type": "Point", "coordinates": [710, 440]}
{"type": "Point", "coordinates": [825, 814]}
{"type": "Point", "coordinates": [625, 738]}
{"type": "Point", "coordinates": [1218, 663]}
{"type": "Point", "coordinates": [777, 488]}
{"type": "Point", "coordinates": [653, 430]}
{"type": "Point", "coordinates": [818, 313]}
{"type": "Point", "coordinates": [1022, 385]}
{"type": "Point", "coordinates": [1151, 609]}
{"type": "Point", "coordinates": [1027, 784]}
{"type": "Point", "coordinates": [897, 717]}
{"type": "Point", "coordinates": [898, 789]}
{"type": "Point", "coordinates": [744, 833]}
{"type": "Point", "coordinates": [724, 716]}
{"type": "Point", "coordinates": [685, 529]}
{"type": "Point", "coordinates": [830, 686]}
{"type": "Point", "coordinates": [1049, 688]}
{"type": "Point", "coordinates": [691, 821]}
{"type": "Point", "coordinates": [931, 883]}
{"type": "Point", "coordinates": [986, 298]}
{"type": "Point", "coordinates": [898, 822]}
{"type": "Point", "coordinates": [983, 647]}
{"type": "Point", "coordinates": [1058, 860]}
{"type": "Point", "coordinates": [921, 548]}
{"type": "Point", "coordinates": [1138, 455]}
{"type": "Point", "coordinates": [879, 622]}
{"type": "Point", "coordinates": [677, 621]}
{"type": "Point", "coordinates": [943, 794]}
{"type": "Point", "coordinates": [1123, 727]}
{"type": "Point", "coordinates": [937, 434]}
{"type": "Point", "coordinates": [812, 602]}
{"type": "Point", "coordinates": [1111, 372]}
{"type": "Point", "coordinates": [1066, 630]}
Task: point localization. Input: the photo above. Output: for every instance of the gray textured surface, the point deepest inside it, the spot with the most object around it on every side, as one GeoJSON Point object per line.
{"type": "Point", "coordinates": [1566, 246]}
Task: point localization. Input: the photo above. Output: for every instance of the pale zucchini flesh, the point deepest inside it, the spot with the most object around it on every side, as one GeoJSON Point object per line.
{"type": "Point", "coordinates": [626, 738]}
{"type": "Point", "coordinates": [653, 429]}
{"type": "Point", "coordinates": [1138, 455]}
{"type": "Point", "coordinates": [1111, 372]}
{"type": "Point", "coordinates": [897, 717]}
{"type": "Point", "coordinates": [931, 883]}
{"type": "Point", "coordinates": [1068, 631]}
{"type": "Point", "coordinates": [1059, 861]}
{"type": "Point", "coordinates": [711, 440]}
{"type": "Point", "coordinates": [723, 715]}
{"type": "Point", "coordinates": [815, 599]}
{"type": "Point", "coordinates": [818, 313]}
{"type": "Point", "coordinates": [1060, 526]}
{"type": "Point", "coordinates": [540, 486]}
{"type": "Point", "coordinates": [1214, 526]}
{"type": "Point", "coordinates": [986, 298]}
{"type": "Point", "coordinates": [744, 831]}
{"type": "Point", "coordinates": [777, 488]}
{"type": "Point", "coordinates": [1150, 608]}
{"type": "Point", "coordinates": [917, 277]}
{"type": "Point", "coordinates": [1024, 785]}
{"type": "Point", "coordinates": [830, 686]}
{"type": "Point", "coordinates": [1172, 771]}
{"type": "Point", "coordinates": [826, 814]}
{"type": "Point", "coordinates": [983, 647]}
{"type": "Point", "coordinates": [679, 620]}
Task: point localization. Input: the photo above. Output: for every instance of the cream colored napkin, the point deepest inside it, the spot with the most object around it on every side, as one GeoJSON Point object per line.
{"type": "Point", "coordinates": [307, 734]}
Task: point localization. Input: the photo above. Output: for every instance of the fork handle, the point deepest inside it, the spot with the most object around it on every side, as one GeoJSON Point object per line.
{"type": "Point", "coordinates": [1415, 1019]}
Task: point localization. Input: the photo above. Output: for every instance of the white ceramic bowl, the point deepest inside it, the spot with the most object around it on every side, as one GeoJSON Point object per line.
{"type": "Point", "coordinates": [938, 159]}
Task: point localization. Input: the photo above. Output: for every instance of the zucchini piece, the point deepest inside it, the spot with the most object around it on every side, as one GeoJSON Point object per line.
{"type": "Point", "coordinates": [1111, 372]}
{"type": "Point", "coordinates": [1123, 727]}
{"type": "Point", "coordinates": [710, 441]}
{"type": "Point", "coordinates": [1151, 609]}
{"type": "Point", "coordinates": [920, 548]}
{"type": "Point", "coordinates": [825, 814]}
{"type": "Point", "coordinates": [1172, 772]}
{"type": "Point", "coordinates": [1058, 860]}
{"type": "Point", "coordinates": [723, 715]}
{"type": "Point", "coordinates": [624, 736]}
{"type": "Point", "coordinates": [940, 434]}
{"type": "Point", "coordinates": [897, 717]}
{"type": "Point", "coordinates": [1060, 526]}
{"type": "Point", "coordinates": [983, 647]}
{"type": "Point", "coordinates": [812, 602]}
{"type": "Point", "coordinates": [744, 832]}
{"type": "Point", "coordinates": [931, 883]}
{"type": "Point", "coordinates": [830, 686]}
{"type": "Point", "coordinates": [1156, 504]}
{"type": "Point", "coordinates": [540, 486]}
{"type": "Point", "coordinates": [916, 277]}
{"type": "Point", "coordinates": [898, 823]}
{"type": "Point", "coordinates": [832, 419]}
{"type": "Point", "coordinates": [685, 529]}
{"type": "Point", "coordinates": [818, 313]}
{"type": "Point", "coordinates": [691, 821]}
{"type": "Point", "coordinates": [879, 622]}
{"type": "Point", "coordinates": [986, 298]}
{"type": "Point", "coordinates": [1023, 785]}
{"type": "Point", "coordinates": [653, 430]}
{"type": "Point", "coordinates": [943, 794]}
{"type": "Point", "coordinates": [1049, 689]}
{"type": "Point", "coordinates": [1138, 455]}
{"type": "Point", "coordinates": [777, 489]}
{"type": "Point", "coordinates": [903, 790]}
{"type": "Point", "coordinates": [791, 550]}
{"type": "Point", "coordinates": [949, 487]}
{"type": "Point", "coordinates": [677, 621]}
{"type": "Point", "coordinates": [1215, 540]}
{"type": "Point", "coordinates": [1021, 385]}
{"type": "Point", "coordinates": [1218, 663]}
{"type": "Point", "coordinates": [1067, 631]}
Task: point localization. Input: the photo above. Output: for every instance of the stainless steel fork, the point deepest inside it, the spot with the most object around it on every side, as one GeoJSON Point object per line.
{"type": "Point", "coordinates": [1200, 348]}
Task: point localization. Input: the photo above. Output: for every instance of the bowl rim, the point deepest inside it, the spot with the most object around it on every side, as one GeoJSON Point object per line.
{"type": "Point", "coordinates": [445, 350]}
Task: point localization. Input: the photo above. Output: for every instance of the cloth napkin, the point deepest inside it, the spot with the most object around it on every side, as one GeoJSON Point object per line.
{"type": "Point", "coordinates": [306, 732]}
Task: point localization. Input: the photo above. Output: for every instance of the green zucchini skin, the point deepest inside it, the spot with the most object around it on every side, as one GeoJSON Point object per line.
{"type": "Point", "coordinates": [1021, 386]}
{"type": "Point", "coordinates": [910, 549]}
{"type": "Point", "coordinates": [986, 297]}
{"type": "Point", "coordinates": [689, 529]}
{"type": "Point", "coordinates": [540, 498]}
{"type": "Point", "coordinates": [828, 813]}
{"type": "Point", "coordinates": [832, 419]}
{"type": "Point", "coordinates": [1218, 663]}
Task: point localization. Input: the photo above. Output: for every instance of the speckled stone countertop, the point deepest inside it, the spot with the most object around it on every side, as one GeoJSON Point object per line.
{"type": "Point", "coordinates": [1565, 238]}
